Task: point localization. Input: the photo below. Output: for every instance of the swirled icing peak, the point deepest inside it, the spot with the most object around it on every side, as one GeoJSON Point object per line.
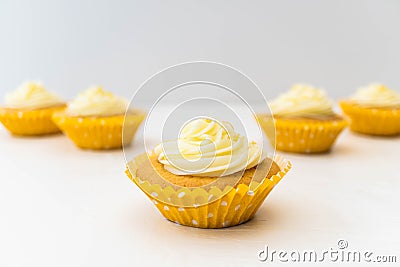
{"type": "Point", "coordinates": [376, 95]}
{"type": "Point", "coordinates": [31, 95]}
{"type": "Point", "coordinates": [95, 101]}
{"type": "Point", "coordinates": [302, 101]}
{"type": "Point", "coordinates": [206, 147]}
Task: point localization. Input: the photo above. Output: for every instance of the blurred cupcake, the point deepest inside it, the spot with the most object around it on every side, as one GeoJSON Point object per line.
{"type": "Point", "coordinates": [374, 110]}
{"type": "Point", "coordinates": [211, 177]}
{"type": "Point", "coordinates": [95, 120]}
{"type": "Point", "coordinates": [28, 110]}
{"type": "Point", "coordinates": [304, 119]}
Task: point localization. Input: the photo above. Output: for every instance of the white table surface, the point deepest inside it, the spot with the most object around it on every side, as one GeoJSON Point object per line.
{"type": "Point", "coordinates": [62, 206]}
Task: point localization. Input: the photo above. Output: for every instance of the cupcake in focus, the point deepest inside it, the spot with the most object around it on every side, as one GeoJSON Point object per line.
{"type": "Point", "coordinates": [211, 177]}
{"type": "Point", "coordinates": [97, 119]}
{"type": "Point", "coordinates": [304, 119]}
{"type": "Point", "coordinates": [28, 110]}
{"type": "Point", "coordinates": [373, 110]}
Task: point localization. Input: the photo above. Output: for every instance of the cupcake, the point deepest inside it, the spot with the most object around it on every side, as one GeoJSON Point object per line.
{"type": "Point", "coordinates": [96, 119]}
{"type": "Point", "coordinates": [211, 177]}
{"type": "Point", "coordinates": [28, 110]}
{"type": "Point", "coordinates": [373, 110]}
{"type": "Point", "coordinates": [304, 119]}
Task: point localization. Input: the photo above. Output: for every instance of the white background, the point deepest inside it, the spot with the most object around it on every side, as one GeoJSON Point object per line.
{"type": "Point", "coordinates": [61, 206]}
{"type": "Point", "coordinates": [69, 45]}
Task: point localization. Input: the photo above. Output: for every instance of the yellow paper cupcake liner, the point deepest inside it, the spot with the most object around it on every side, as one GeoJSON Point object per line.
{"type": "Point", "coordinates": [372, 121]}
{"type": "Point", "coordinates": [29, 122]}
{"type": "Point", "coordinates": [99, 132]}
{"type": "Point", "coordinates": [214, 208]}
{"type": "Point", "coordinates": [304, 135]}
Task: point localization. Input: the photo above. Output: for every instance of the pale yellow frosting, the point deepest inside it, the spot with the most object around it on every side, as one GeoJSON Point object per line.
{"type": "Point", "coordinates": [95, 101]}
{"type": "Point", "coordinates": [302, 101]}
{"type": "Point", "coordinates": [31, 95]}
{"type": "Point", "coordinates": [208, 148]}
{"type": "Point", "coordinates": [375, 96]}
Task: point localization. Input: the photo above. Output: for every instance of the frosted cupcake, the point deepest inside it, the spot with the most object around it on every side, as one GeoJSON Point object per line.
{"type": "Point", "coordinates": [28, 110]}
{"type": "Point", "coordinates": [211, 177]}
{"type": "Point", "coordinates": [95, 119]}
{"type": "Point", "coordinates": [374, 110]}
{"type": "Point", "coordinates": [305, 120]}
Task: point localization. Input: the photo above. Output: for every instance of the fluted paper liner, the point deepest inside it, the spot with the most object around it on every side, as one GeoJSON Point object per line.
{"type": "Point", "coordinates": [372, 121]}
{"type": "Point", "coordinates": [30, 122]}
{"type": "Point", "coordinates": [99, 132]}
{"type": "Point", "coordinates": [304, 135]}
{"type": "Point", "coordinates": [213, 208]}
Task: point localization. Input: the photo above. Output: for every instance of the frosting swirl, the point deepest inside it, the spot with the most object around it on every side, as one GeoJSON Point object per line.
{"type": "Point", "coordinates": [208, 148]}
{"type": "Point", "coordinates": [303, 101]}
{"type": "Point", "coordinates": [31, 95]}
{"type": "Point", "coordinates": [376, 95]}
{"type": "Point", "coordinates": [95, 101]}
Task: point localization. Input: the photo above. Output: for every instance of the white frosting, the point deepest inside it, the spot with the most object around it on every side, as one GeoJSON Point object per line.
{"type": "Point", "coordinates": [302, 101]}
{"type": "Point", "coordinates": [376, 95]}
{"type": "Point", "coordinates": [31, 95]}
{"type": "Point", "coordinates": [97, 102]}
{"type": "Point", "coordinates": [208, 148]}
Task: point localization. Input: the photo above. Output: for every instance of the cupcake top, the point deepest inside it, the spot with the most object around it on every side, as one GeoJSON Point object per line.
{"type": "Point", "coordinates": [31, 95]}
{"type": "Point", "coordinates": [303, 101]}
{"type": "Point", "coordinates": [95, 101]}
{"type": "Point", "coordinates": [208, 148]}
{"type": "Point", "coordinates": [376, 96]}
